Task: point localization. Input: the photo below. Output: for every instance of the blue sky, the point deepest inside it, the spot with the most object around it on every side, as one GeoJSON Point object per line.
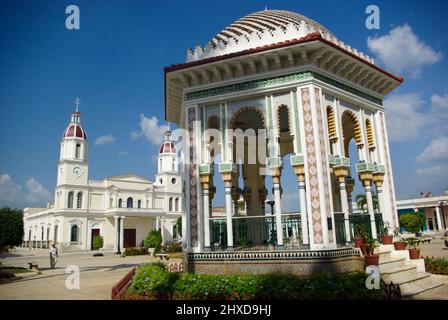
{"type": "Point", "coordinates": [114, 63]}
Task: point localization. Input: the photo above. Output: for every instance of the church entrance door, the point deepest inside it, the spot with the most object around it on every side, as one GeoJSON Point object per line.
{"type": "Point", "coordinates": [129, 238]}
{"type": "Point", "coordinates": [95, 232]}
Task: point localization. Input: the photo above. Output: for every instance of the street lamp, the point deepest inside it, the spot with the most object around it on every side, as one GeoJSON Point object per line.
{"type": "Point", "coordinates": [271, 203]}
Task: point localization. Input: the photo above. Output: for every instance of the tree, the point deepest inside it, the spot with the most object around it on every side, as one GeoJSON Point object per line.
{"type": "Point", "coordinates": [413, 221]}
{"type": "Point", "coordinates": [361, 201]}
{"type": "Point", "coordinates": [11, 227]}
{"type": "Point", "coordinates": [98, 242]}
{"type": "Point", "coordinates": [179, 225]}
{"type": "Point", "coordinates": [153, 240]}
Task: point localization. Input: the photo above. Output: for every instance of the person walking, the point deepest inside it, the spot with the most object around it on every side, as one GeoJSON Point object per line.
{"type": "Point", "coordinates": [53, 255]}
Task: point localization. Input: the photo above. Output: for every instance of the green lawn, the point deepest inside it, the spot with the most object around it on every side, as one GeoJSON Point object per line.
{"type": "Point", "coordinates": [15, 269]}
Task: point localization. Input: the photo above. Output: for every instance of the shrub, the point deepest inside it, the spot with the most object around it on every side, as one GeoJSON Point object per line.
{"type": "Point", "coordinates": [135, 251]}
{"type": "Point", "coordinates": [179, 225]}
{"type": "Point", "coordinates": [172, 247]}
{"type": "Point", "coordinates": [436, 265]}
{"type": "Point", "coordinates": [413, 221]}
{"type": "Point", "coordinates": [154, 280]}
{"type": "Point", "coordinates": [153, 240]}
{"type": "Point", "coordinates": [98, 242]}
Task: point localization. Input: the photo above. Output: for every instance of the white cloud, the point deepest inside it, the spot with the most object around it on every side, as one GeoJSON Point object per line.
{"type": "Point", "coordinates": [104, 140]}
{"type": "Point", "coordinates": [122, 153]}
{"type": "Point", "coordinates": [437, 151]}
{"type": "Point", "coordinates": [151, 130]}
{"type": "Point", "coordinates": [402, 51]}
{"type": "Point", "coordinates": [438, 171]}
{"type": "Point", "coordinates": [404, 121]}
{"type": "Point", "coordinates": [9, 191]}
{"type": "Point", "coordinates": [439, 103]}
{"type": "Point", "coordinates": [36, 194]}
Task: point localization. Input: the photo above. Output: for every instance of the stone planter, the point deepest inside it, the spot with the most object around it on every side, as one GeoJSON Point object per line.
{"type": "Point", "coordinates": [151, 251]}
{"type": "Point", "coordinates": [387, 239]}
{"type": "Point", "coordinates": [414, 254]}
{"type": "Point", "coordinates": [400, 245]}
{"type": "Point", "coordinates": [372, 260]}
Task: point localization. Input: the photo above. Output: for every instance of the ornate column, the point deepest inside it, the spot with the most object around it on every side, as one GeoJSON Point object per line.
{"type": "Point", "coordinates": [365, 171]}
{"type": "Point", "coordinates": [299, 170]}
{"type": "Point", "coordinates": [378, 179]}
{"type": "Point", "coordinates": [341, 172]}
{"type": "Point", "coordinates": [121, 233]}
{"type": "Point", "coordinates": [236, 192]}
{"type": "Point", "coordinates": [227, 171]}
{"type": "Point", "coordinates": [205, 176]}
{"type": "Point", "coordinates": [275, 169]}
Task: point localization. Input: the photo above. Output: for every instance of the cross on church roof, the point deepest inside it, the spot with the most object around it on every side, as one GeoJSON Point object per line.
{"type": "Point", "coordinates": [77, 103]}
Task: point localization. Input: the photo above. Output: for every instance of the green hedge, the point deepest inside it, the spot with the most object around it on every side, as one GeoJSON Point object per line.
{"type": "Point", "coordinates": [153, 281]}
{"type": "Point", "coordinates": [135, 251]}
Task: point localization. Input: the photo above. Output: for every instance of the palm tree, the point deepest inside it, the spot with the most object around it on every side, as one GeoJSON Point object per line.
{"type": "Point", "coordinates": [361, 201]}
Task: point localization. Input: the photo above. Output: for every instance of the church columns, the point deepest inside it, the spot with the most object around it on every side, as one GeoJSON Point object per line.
{"type": "Point", "coordinates": [439, 218]}
{"type": "Point", "coordinates": [121, 234]}
{"type": "Point", "coordinates": [116, 235]}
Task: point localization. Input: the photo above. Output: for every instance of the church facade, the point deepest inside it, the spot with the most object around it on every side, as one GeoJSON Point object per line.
{"type": "Point", "coordinates": [122, 209]}
{"type": "Point", "coordinates": [282, 73]}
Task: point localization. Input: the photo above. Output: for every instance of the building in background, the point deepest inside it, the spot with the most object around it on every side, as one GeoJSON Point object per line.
{"type": "Point", "coordinates": [122, 209]}
{"type": "Point", "coordinates": [434, 207]}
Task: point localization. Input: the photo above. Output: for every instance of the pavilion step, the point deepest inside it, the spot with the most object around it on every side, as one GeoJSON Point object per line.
{"type": "Point", "coordinates": [419, 286]}
{"type": "Point", "coordinates": [384, 254]}
{"type": "Point", "coordinates": [401, 270]}
{"type": "Point", "coordinates": [402, 279]}
{"type": "Point", "coordinates": [391, 262]}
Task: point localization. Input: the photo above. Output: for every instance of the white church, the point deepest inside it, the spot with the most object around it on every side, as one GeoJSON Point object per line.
{"type": "Point", "coordinates": [122, 209]}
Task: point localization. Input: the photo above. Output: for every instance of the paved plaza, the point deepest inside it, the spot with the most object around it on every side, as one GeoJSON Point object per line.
{"type": "Point", "coordinates": [97, 276]}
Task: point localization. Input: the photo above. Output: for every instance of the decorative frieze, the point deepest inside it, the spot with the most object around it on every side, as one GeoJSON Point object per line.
{"type": "Point", "coordinates": [278, 80]}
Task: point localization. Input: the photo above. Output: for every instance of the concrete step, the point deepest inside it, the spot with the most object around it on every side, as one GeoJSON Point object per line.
{"type": "Point", "coordinates": [402, 279]}
{"type": "Point", "coordinates": [384, 254]}
{"type": "Point", "coordinates": [391, 262]}
{"type": "Point", "coordinates": [401, 270]}
{"type": "Point", "coordinates": [419, 286]}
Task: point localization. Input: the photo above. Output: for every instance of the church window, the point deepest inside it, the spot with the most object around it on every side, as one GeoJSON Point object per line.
{"type": "Point", "coordinates": [42, 233]}
{"type": "Point", "coordinates": [78, 151]}
{"type": "Point", "coordinates": [79, 200]}
{"type": "Point", "coordinates": [174, 231]}
{"type": "Point", "coordinates": [130, 203]}
{"type": "Point", "coordinates": [74, 231]}
{"type": "Point", "coordinates": [55, 235]}
{"type": "Point", "coordinates": [139, 204]}
{"type": "Point", "coordinates": [70, 199]}
{"type": "Point", "coordinates": [170, 204]}
{"type": "Point", "coordinates": [173, 181]}
{"type": "Point", "coordinates": [176, 204]}
{"type": "Point", "coordinates": [120, 203]}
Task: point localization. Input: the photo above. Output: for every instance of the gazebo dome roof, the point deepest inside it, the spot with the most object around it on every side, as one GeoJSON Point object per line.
{"type": "Point", "coordinates": [258, 29]}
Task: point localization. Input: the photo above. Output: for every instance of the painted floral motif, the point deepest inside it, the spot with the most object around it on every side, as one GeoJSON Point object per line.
{"type": "Point", "coordinates": [323, 157]}
{"type": "Point", "coordinates": [192, 180]}
{"type": "Point", "coordinates": [312, 170]}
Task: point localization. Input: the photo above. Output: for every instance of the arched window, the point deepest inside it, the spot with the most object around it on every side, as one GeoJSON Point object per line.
{"type": "Point", "coordinates": [74, 232]}
{"type": "Point", "coordinates": [139, 204]}
{"type": "Point", "coordinates": [130, 203]}
{"type": "Point", "coordinates": [176, 204]}
{"type": "Point", "coordinates": [120, 203]}
{"type": "Point", "coordinates": [170, 204]}
{"type": "Point", "coordinates": [79, 200]}
{"type": "Point", "coordinates": [78, 151]}
{"type": "Point", "coordinates": [42, 233]}
{"type": "Point", "coordinates": [70, 199]}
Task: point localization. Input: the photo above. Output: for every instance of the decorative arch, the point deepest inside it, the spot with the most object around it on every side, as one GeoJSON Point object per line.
{"type": "Point", "coordinates": [369, 131]}
{"type": "Point", "coordinates": [331, 123]}
{"type": "Point", "coordinates": [279, 117]}
{"type": "Point", "coordinates": [348, 114]}
{"type": "Point", "coordinates": [247, 109]}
